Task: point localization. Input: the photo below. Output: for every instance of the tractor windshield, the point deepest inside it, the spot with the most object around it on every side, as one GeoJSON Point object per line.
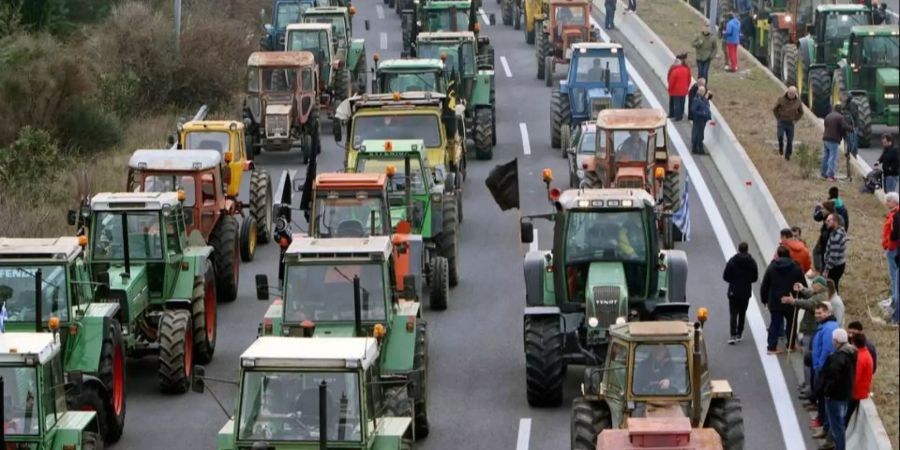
{"type": "Point", "coordinates": [349, 215]}
{"type": "Point", "coordinates": [18, 292]}
{"type": "Point", "coordinates": [338, 26]}
{"type": "Point", "coordinates": [278, 80]}
{"type": "Point", "coordinates": [409, 81]}
{"type": "Point", "coordinates": [20, 402]}
{"type": "Point", "coordinates": [631, 145]}
{"type": "Point", "coordinates": [441, 20]}
{"type": "Point", "coordinates": [660, 370]}
{"type": "Point", "coordinates": [397, 182]}
{"type": "Point", "coordinates": [286, 13]}
{"type": "Point", "coordinates": [208, 140]}
{"type": "Point", "coordinates": [611, 235]}
{"type": "Point", "coordinates": [284, 406]}
{"type": "Point", "coordinates": [570, 15]}
{"type": "Point", "coordinates": [393, 126]}
{"type": "Point", "coordinates": [880, 51]}
{"type": "Point", "coordinates": [141, 229]}
{"type": "Point", "coordinates": [324, 293]}
{"type": "Point", "coordinates": [310, 41]}
{"type": "Point", "coordinates": [171, 183]}
{"type": "Point", "coordinates": [837, 29]}
{"type": "Point", "coordinates": [593, 69]}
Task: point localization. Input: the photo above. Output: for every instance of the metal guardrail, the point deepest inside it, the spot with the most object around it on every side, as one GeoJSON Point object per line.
{"type": "Point", "coordinates": [200, 115]}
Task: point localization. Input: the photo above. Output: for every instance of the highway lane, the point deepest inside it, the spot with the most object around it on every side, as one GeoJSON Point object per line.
{"type": "Point", "coordinates": [477, 392]}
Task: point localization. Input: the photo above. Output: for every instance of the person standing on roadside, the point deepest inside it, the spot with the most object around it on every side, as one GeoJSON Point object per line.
{"type": "Point", "coordinates": [837, 386]}
{"type": "Point", "coordinates": [610, 13]}
{"type": "Point", "coordinates": [777, 283]}
{"type": "Point", "coordinates": [732, 40]}
{"type": "Point", "coordinates": [889, 162]}
{"type": "Point", "coordinates": [836, 128]}
{"type": "Point", "coordinates": [705, 46]}
{"type": "Point", "coordinates": [889, 230]}
{"type": "Point", "coordinates": [865, 369]}
{"type": "Point", "coordinates": [835, 258]}
{"type": "Point", "coordinates": [693, 93]}
{"type": "Point", "coordinates": [820, 213]}
{"type": "Point", "coordinates": [834, 194]}
{"type": "Point", "coordinates": [821, 348]}
{"type": "Point", "coordinates": [632, 7]}
{"type": "Point", "coordinates": [807, 300]}
{"type": "Point", "coordinates": [740, 274]}
{"type": "Point", "coordinates": [799, 253]}
{"type": "Point", "coordinates": [679, 84]}
{"type": "Point", "coordinates": [788, 110]}
{"type": "Point", "coordinates": [856, 327]}
{"type": "Point", "coordinates": [701, 113]}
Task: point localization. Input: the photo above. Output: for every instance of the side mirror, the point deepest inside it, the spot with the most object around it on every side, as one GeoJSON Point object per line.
{"type": "Point", "coordinates": [72, 217]}
{"type": "Point", "coordinates": [262, 286]}
{"type": "Point", "coordinates": [526, 232]}
{"type": "Point", "coordinates": [269, 28]}
{"type": "Point", "coordinates": [336, 130]}
{"type": "Point", "coordinates": [198, 383]}
{"type": "Point", "coordinates": [492, 19]}
{"type": "Point", "coordinates": [170, 139]}
{"type": "Point", "coordinates": [366, 24]}
{"type": "Point", "coordinates": [298, 184]}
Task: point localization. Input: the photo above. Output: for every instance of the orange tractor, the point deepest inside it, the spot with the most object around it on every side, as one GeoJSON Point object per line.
{"type": "Point", "coordinates": [569, 21]}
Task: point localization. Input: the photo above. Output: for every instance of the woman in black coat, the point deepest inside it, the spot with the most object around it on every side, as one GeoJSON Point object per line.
{"type": "Point", "coordinates": [740, 273]}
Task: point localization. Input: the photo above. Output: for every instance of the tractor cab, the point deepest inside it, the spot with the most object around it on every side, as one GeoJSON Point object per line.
{"type": "Point", "coordinates": [870, 77]}
{"type": "Point", "coordinates": [313, 393]}
{"type": "Point", "coordinates": [339, 18]}
{"type": "Point", "coordinates": [833, 25]}
{"type": "Point", "coordinates": [597, 79]}
{"type": "Point", "coordinates": [227, 138]}
{"type": "Point", "coordinates": [406, 75]}
{"type": "Point", "coordinates": [570, 22]}
{"type": "Point", "coordinates": [350, 205]}
{"type": "Point", "coordinates": [448, 15]}
{"type": "Point", "coordinates": [632, 149]}
{"type": "Point", "coordinates": [284, 13]}
{"type": "Point", "coordinates": [315, 38]}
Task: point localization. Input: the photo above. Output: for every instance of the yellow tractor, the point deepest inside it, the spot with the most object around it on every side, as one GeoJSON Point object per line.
{"type": "Point", "coordinates": [534, 12]}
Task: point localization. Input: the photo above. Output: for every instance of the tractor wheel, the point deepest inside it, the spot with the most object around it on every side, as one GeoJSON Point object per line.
{"type": "Point", "coordinates": [863, 119]}
{"type": "Point", "coordinates": [484, 133]}
{"type": "Point", "coordinates": [565, 138]}
{"type": "Point", "coordinates": [175, 351]}
{"type": "Point", "coordinates": [439, 284]}
{"type": "Point", "coordinates": [548, 71]}
{"type": "Point", "coordinates": [112, 373]}
{"type": "Point", "coordinates": [420, 362]}
{"type": "Point", "coordinates": [726, 417]}
{"type": "Point", "coordinates": [506, 11]}
{"type": "Point", "coordinates": [204, 317]}
{"type": "Point", "coordinates": [361, 71]}
{"type": "Point", "coordinates": [560, 116]}
{"type": "Point", "coordinates": [226, 253]}
{"type": "Point", "coordinates": [529, 35]}
{"type": "Point", "coordinates": [448, 242]}
{"type": "Point", "coordinates": [819, 91]}
{"type": "Point", "coordinates": [776, 46]}
{"type": "Point", "coordinates": [341, 86]}
{"type": "Point", "coordinates": [248, 239]}
{"type": "Point", "coordinates": [261, 203]}
{"type": "Point", "coordinates": [588, 420]}
{"type": "Point", "coordinates": [790, 58]}
{"type": "Point", "coordinates": [544, 366]}
{"type": "Point", "coordinates": [540, 52]}
{"type": "Point", "coordinates": [634, 100]}
{"type": "Point", "coordinates": [91, 441]}
{"type": "Point", "coordinates": [672, 191]}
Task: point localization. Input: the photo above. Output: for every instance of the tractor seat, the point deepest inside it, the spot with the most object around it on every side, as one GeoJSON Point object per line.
{"type": "Point", "coordinates": [351, 229]}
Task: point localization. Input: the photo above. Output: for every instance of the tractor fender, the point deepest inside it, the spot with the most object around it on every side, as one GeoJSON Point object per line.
{"type": "Point", "coordinates": [357, 53]}
{"type": "Point", "coordinates": [193, 264]}
{"type": "Point", "coordinates": [535, 270]}
{"type": "Point", "coordinates": [673, 163]}
{"type": "Point", "coordinates": [84, 348]}
{"type": "Point", "coordinates": [272, 316]}
{"type": "Point", "coordinates": [390, 432]}
{"type": "Point", "coordinates": [676, 280]}
{"type": "Point", "coordinates": [399, 348]}
{"type": "Point", "coordinates": [481, 92]}
{"type": "Point", "coordinates": [178, 303]}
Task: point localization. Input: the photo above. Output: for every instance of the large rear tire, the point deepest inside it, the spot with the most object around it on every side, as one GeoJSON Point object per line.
{"type": "Point", "coordinates": [439, 284]}
{"type": "Point", "coordinates": [448, 242]}
{"type": "Point", "coordinates": [560, 116]}
{"type": "Point", "coordinates": [261, 204]}
{"type": "Point", "coordinates": [540, 49]}
{"type": "Point", "coordinates": [204, 317]}
{"type": "Point", "coordinates": [672, 191]}
{"type": "Point", "coordinates": [588, 420]}
{"type": "Point", "coordinates": [226, 252]}
{"type": "Point", "coordinates": [249, 238]}
{"type": "Point", "coordinates": [863, 119]}
{"type": "Point", "coordinates": [790, 57]}
{"type": "Point", "coordinates": [112, 373]}
{"type": "Point", "coordinates": [548, 71]}
{"type": "Point", "coordinates": [819, 91]}
{"type": "Point", "coordinates": [341, 86]}
{"type": "Point", "coordinates": [544, 366]}
{"type": "Point", "coordinates": [420, 362]}
{"type": "Point", "coordinates": [175, 351]}
{"type": "Point", "coordinates": [776, 46]}
{"type": "Point", "coordinates": [529, 35]}
{"type": "Point", "coordinates": [726, 417]}
{"type": "Point", "coordinates": [484, 133]}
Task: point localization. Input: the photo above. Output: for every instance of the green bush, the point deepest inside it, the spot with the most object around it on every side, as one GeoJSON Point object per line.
{"type": "Point", "coordinates": [42, 161]}
{"type": "Point", "coordinates": [806, 159]}
{"type": "Point", "coordinates": [86, 128]}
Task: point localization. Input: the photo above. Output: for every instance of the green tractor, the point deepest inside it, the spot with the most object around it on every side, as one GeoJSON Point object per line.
{"type": "Point", "coordinates": [48, 278]}
{"type": "Point", "coordinates": [606, 266]}
{"type": "Point", "coordinates": [870, 78]}
{"type": "Point", "coordinates": [31, 366]}
{"type": "Point", "coordinates": [438, 15]}
{"type": "Point", "coordinates": [315, 394]}
{"type": "Point", "coordinates": [348, 53]}
{"type": "Point", "coordinates": [810, 64]}
{"type": "Point", "coordinates": [162, 279]}
{"type": "Point", "coordinates": [345, 287]}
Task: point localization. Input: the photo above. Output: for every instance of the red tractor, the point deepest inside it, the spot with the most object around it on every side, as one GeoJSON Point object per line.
{"type": "Point", "coordinates": [569, 21]}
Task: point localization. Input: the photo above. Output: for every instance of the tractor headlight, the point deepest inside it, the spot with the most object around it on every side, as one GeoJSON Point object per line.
{"type": "Point", "coordinates": [889, 96]}
{"type": "Point", "coordinates": [593, 322]}
{"type": "Point", "coordinates": [620, 320]}
{"type": "Point", "coordinates": [436, 197]}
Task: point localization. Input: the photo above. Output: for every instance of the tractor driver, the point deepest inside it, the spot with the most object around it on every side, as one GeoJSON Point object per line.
{"type": "Point", "coordinates": [569, 15]}
{"type": "Point", "coordinates": [654, 374]}
{"type": "Point", "coordinates": [633, 148]}
{"type": "Point", "coordinates": [596, 71]}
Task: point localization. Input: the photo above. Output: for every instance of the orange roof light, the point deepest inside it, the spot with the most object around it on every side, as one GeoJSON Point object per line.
{"type": "Point", "coordinates": [378, 331]}
{"type": "Point", "coordinates": [390, 170]}
{"type": "Point", "coordinates": [443, 56]}
{"type": "Point", "coordinates": [547, 175]}
{"type": "Point", "coordinates": [388, 146]}
{"type": "Point", "coordinates": [376, 56]}
{"type": "Point", "coordinates": [702, 314]}
{"type": "Point", "coordinates": [228, 156]}
{"type": "Point", "coordinates": [82, 241]}
{"type": "Point", "coordinates": [181, 195]}
{"type": "Point", "coordinates": [352, 10]}
{"type": "Point", "coordinates": [284, 242]}
{"type": "Point", "coordinates": [659, 173]}
{"type": "Point", "coordinates": [477, 27]}
{"type": "Point", "coordinates": [53, 323]}
{"type": "Point", "coordinates": [396, 96]}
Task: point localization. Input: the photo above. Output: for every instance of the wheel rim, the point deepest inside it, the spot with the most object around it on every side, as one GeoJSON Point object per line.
{"type": "Point", "coordinates": [188, 350]}
{"type": "Point", "coordinates": [252, 238]}
{"type": "Point", "coordinates": [209, 305]}
{"type": "Point", "coordinates": [118, 380]}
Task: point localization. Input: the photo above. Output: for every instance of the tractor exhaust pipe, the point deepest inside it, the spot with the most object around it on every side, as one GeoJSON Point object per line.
{"type": "Point", "coordinates": [38, 314]}
{"type": "Point", "coordinates": [323, 416]}
{"type": "Point", "coordinates": [696, 408]}
{"type": "Point", "coordinates": [125, 244]}
{"type": "Point", "coordinates": [357, 314]}
{"type": "Point", "coordinates": [408, 189]}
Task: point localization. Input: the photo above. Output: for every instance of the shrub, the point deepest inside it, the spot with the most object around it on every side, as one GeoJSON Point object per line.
{"type": "Point", "coordinates": [806, 160]}
{"type": "Point", "coordinates": [86, 128]}
{"type": "Point", "coordinates": [43, 159]}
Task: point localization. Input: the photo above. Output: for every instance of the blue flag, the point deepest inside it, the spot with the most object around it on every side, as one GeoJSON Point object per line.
{"type": "Point", "coordinates": [682, 217]}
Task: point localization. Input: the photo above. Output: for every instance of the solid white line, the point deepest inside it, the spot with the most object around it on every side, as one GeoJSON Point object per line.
{"type": "Point", "coordinates": [484, 16]}
{"type": "Point", "coordinates": [380, 11]}
{"type": "Point", "coordinates": [526, 145]}
{"type": "Point", "coordinates": [383, 40]}
{"type": "Point", "coordinates": [505, 67]}
{"type": "Point", "coordinates": [524, 437]}
{"type": "Point", "coordinates": [533, 246]}
{"type": "Point", "coordinates": [784, 408]}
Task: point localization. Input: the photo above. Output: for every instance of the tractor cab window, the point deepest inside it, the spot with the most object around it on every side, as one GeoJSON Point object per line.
{"type": "Point", "coordinates": [409, 82]}
{"type": "Point", "coordinates": [879, 51]}
{"type": "Point", "coordinates": [208, 189]}
{"type": "Point", "coordinates": [598, 69]}
{"type": "Point", "coordinates": [173, 237]}
{"type": "Point", "coordinates": [284, 406]}
{"type": "Point", "coordinates": [286, 13]}
{"type": "Point", "coordinates": [660, 369]}
{"type": "Point", "coordinates": [142, 231]}
{"type": "Point", "coordinates": [837, 30]}
{"type": "Point", "coordinates": [631, 145]}
{"type": "Point", "coordinates": [306, 80]}
{"type": "Point", "coordinates": [21, 414]}
{"type": "Point", "coordinates": [253, 80]}
{"type": "Point", "coordinates": [618, 367]}
{"type": "Point", "coordinates": [441, 20]}
{"type": "Point", "coordinates": [338, 26]}
{"type": "Point", "coordinates": [208, 140]}
{"type": "Point", "coordinates": [408, 126]}
{"type": "Point", "coordinates": [315, 41]}
{"type": "Point", "coordinates": [171, 183]}
{"type": "Point", "coordinates": [324, 293]}
{"type": "Point", "coordinates": [397, 182]}
{"type": "Point", "coordinates": [468, 59]}
{"type": "Point", "coordinates": [348, 215]}
{"type": "Point", "coordinates": [570, 15]}
{"type": "Point", "coordinates": [17, 292]}
{"type": "Point", "coordinates": [278, 80]}
{"type": "Point", "coordinates": [588, 144]}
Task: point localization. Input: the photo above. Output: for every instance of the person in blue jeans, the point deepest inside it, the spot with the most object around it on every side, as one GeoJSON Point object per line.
{"type": "Point", "coordinates": [700, 114]}
{"type": "Point", "coordinates": [821, 348]}
{"type": "Point", "coordinates": [610, 13]}
{"type": "Point", "coordinates": [777, 284]}
{"type": "Point", "coordinates": [889, 163]}
{"type": "Point", "coordinates": [837, 386]}
{"type": "Point", "coordinates": [836, 128]}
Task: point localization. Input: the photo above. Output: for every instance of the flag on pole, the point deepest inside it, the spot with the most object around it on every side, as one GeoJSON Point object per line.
{"type": "Point", "coordinates": [4, 316]}
{"type": "Point", "coordinates": [682, 217]}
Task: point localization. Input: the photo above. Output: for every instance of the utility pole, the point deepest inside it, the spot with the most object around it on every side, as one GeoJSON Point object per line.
{"type": "Point", "coordinates": [177, 13]}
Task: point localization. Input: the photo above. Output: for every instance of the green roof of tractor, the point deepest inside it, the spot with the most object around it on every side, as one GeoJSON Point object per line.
{"type": "Point", "coordinates": [59, 249]}
{"type": "Point", "coordinates": [372, 146]}
{"type": "Point", "coordinates": [417, 64]}
{"type": "Point", "coordinates": [374, 248]}
{"type": "Point", "coordinates": [847, 7]}
{"type": "Point", "coordinates": [875, 30]}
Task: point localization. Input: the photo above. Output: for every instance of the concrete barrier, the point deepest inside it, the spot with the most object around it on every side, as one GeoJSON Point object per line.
{"type": "Point", "coordinates": [749, 190]}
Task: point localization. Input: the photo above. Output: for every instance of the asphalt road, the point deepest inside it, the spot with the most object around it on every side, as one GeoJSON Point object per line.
{"type": "Point", "coordinates": [477, 387]}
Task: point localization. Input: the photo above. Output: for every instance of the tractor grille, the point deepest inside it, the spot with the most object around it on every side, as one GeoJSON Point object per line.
{"type": "Point", "coordinates": [632, 183]}
{"type": "Point", "coordinates": [277, 126]}
{"type": "Point", "coordinates": [597, 105]}
{"type": "Point", "coordinates": [606, 303]}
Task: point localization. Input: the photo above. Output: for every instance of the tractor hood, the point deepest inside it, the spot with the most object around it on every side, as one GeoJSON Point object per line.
{"type": "Point", "coordinates": [605, 295]}
{"type": "Point", "coordinates": [273, 108]}
{"type": "Point", "coordinates": [331, 330]}
{"type": "Point", "coordinates": [888, 76]}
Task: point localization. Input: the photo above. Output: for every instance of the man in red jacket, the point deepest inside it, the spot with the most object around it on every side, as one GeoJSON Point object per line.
{"type": "Point", "coordinates": [679, 85]}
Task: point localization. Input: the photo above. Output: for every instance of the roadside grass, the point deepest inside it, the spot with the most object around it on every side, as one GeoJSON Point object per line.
{"type": "Point", "coordinates": [745, 99]}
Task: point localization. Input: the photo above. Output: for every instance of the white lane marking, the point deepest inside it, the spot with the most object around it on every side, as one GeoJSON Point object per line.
{"type": "Point", "coordinates": [380, 11]}
{"type": "Point", "coordinates": [484, 16]}
{"type": "Point", "coordinates": [526, 145]}
{"type": "Point", "coordinates": [522, 441]}
{"type": "Point", "coordinates": [784, 409]}
{"type": "Point", "coordinates": [505, 67]}
{"type": "Point", "coordinates": [533, 246]}
{"type": "Point", "coordinates": [383, 40]}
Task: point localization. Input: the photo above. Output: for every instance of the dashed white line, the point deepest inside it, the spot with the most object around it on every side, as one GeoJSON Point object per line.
{"type": "Point", "coordinates": [533, 246]}
{"type": "Point", "coordinates": [505, 67]}
{"type": "Point", "coordinates": [383, 40]}
{"type": "Point", "coordinates": [380, 11]}
{"type": "Point", "coordinates": [484, 16]}
{"type": "Point", "coordinates": [522, 441]}
{"type": "Point", "coordinates": [526, 145]}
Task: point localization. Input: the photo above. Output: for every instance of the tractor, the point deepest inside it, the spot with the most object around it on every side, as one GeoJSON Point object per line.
{"type": "Point", "coordinates": [469, 69]}
{"type": "Point", "coordinates": [869, 77]}
{"type": "Point", "coordinates": [316, 393]}
{"type": "Point", "coordinates": [436, 16]}
{"type": "Point", "coordinates": [630, 399]}
{"type": "Point", "coordinates": [810, 64]}
{"type": "Point", "coordinates": [281, 105]}
{"type": "Point", "coordinates": [228, 138]}
{"type": "Point", "coordinates": [48, 278]}
{"type": "Point", "coordinates": [569, 22]}
{"type": "Point", "coordinates": [533, 12]}
{"type": "Point", "coordinates": [431, 117]}
{"type": "Point", "coordinates": [142, 259]}
{"type": "Point", "coordinates": [597, 80]}
{"type": "Point", "coordinates": [334, 76]}
{"type": "Point", "coordinates": [778, 23]}
{"type": "Point", "coordinates": [30, 367]}
{"type": "Point", "coordinates": [347, 55]}
{"type": "Point", "coordinates": [284, 13]}
{"type": "Point", "coordinates": [605, 266]}
{"type": "Point", "coordinates": [345, 287]}
{"type": "Point", "coordinates": [409, 75]}
{"type": "Point", "coordinates": [511, 13]}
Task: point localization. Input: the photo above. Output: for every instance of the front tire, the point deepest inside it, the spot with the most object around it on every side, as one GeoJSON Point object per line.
{"type": "Point", "coordinates": [560, 116]}
{"type": "Point", "coordinates": [439, 284]}
{"type": "Point", "coordinates": [261, 204]}
{"type": "Point", "coordinates": [91, 441]}
{"type": "Point", "coordinates": [776, 47]}
{"type": "Point", "coordinates": [449, 238]}
{"type": "Point", "coordinates": [587, 421]}
{"type": "Point", "coordinates": [819, 91]}
{"type": "Point", "coordinates": [226, 251]}
{"type": "Point", "coordinates": [540, 50]}
{"type": "Point", "coordinates": [484, 133]}
{"type": "Point", "coordinates": [204, 317]}
{"type": "Point", "coordinates": [420, 362]}
{"type": "Point", "coordinates": [249, 236]}
{"type": "Point", "coordinates": [175, 351]}
{"type": "Point", "coordinates": [544, 366]}
{"type": "Point", "coordinates": [863, 119]}
{"type": "Point", "coordinates": [790, 57]}
{"type": "Point", "coordinates": [726, 417]}
{"type": "Point", "coordinates": [112, 374]}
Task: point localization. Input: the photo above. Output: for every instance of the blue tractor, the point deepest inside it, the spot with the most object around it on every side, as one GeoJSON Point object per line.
{"type": "Point", "coordinates": [284, 13]}
{"type": "Point", "coordinates": [597, 80]}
